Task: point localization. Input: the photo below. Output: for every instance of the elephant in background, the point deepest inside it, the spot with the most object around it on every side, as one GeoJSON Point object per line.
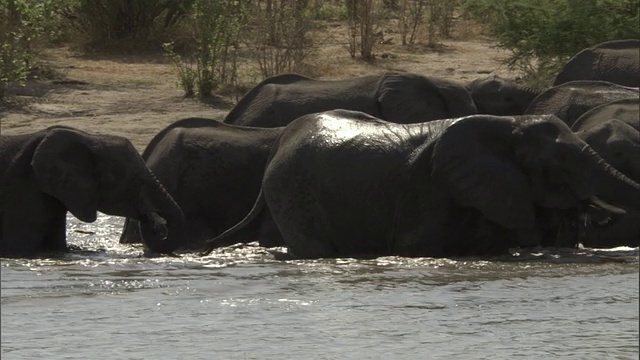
{"type": "Point", "coordinates": [341, 183]}
{"type": "Point", "coordinates": [46, 173]}
{"type": "Point", "coordinates": [570, 100]}
{"type": "Point", "coordinates": [614, 61]}
{"type": "Point", "coordinates": [396, 97]}
{"type": "Point", "coordinates": [496, 95]}
{"type": "Point", "coordinates": [213, 171]}
{"type": "Point", "coordinates": [613, 131]}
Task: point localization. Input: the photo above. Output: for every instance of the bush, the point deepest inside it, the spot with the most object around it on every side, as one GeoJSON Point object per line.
{"type": "Point", "coordinates": [215, 26]}
{"type": "Point", "coordinates": [24, 27]}
{"type": "Point", "coordinates": [411, 18]}
{"type": "Point", "coordinates": [363, 26]}
{"type": "Point", "coordinates": [278, 34]}
{"type": "Point", "coordinates": [108, 22]}
{"type": "Point", "coordinates": [325, 11]}
{"type": "Point", "coordinates": [543, 34]}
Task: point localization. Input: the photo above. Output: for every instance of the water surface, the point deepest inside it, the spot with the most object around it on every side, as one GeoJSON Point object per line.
{"type": "Point", "coordinates": [106, 300]}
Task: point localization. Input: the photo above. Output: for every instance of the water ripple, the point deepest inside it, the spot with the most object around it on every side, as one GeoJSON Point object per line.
{"type": "Point", "coordinates": [242, 302]}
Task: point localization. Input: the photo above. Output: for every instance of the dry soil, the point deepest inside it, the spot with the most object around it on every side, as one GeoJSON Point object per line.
{"type": "Point", "coordinates": [136, 95]}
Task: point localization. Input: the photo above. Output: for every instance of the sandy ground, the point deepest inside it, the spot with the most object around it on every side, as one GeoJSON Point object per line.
{"type": "Point", "coordinates": [137, 96]}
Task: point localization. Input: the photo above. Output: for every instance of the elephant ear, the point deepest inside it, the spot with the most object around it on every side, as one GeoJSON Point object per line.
{"type": "Point", "coordinates": [64, 167]}
{"type": "Point", "coordinates": [474, 159]}
{"type": "Point", "coordinates": [411, 98]}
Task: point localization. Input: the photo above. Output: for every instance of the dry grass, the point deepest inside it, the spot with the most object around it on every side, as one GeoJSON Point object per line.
{"type": "Point", "coordinates": [136, 95]}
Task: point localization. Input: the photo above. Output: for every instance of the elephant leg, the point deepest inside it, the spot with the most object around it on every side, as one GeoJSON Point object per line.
{"type": "Point", "coordinates": [269, 235]}
{"type": "Point", "coordinates": [201, 229]}
{"type": "Point", "coordinates": [18, 240]}
{"type": "Point", "coordinates": [622, 230]}
{"type": "Point", "coordinates": [131, 232]}
{"type": "Point", "coordinates": [529, 238]}
{"type": "Point", "coordinates": [303, 246]}
{"type": "Point", "coordinates": [468, 233]}
{"type": "Point", "coordinates": [27, 234]}
{"type": "Point", "coordinates": [55, 237]}
{"type": "Point", "coordinates": [304, 237]}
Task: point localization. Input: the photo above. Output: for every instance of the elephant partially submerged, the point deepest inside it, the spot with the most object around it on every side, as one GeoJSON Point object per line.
{"type": "Point", "coordinates": [46, 173]}
{"type": "Point", "coordinates": [570, 100]}
{"type": "Point", "coordinates": [613, 131]}
{"type": "Point", "coordinates": [213, 171]}
{"type": "Point", "coordinates": [396, 97]}
{"type": "Point", "coordinates": [342, 183]}
{"type": "Point", "coordinates": [614, 61]}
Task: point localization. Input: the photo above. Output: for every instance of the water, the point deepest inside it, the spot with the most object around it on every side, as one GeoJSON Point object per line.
{"type": "Point", "coordinates": [104, 300]}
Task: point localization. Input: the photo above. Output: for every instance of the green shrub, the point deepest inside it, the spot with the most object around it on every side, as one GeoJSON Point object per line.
{"type": "Point", "coordinates": [24, 27]}
{"type": "Point", "coordinates": [107, 23]}
{"type": "Point", "coordinates": [278, 35]}
{"type": "Point", "coordinates": [215, 26]}
{"type": "Point", "coordinates": [364, 22]}
{"type": "Point", "coordinates": [543, 34]}
{"type": "Point", "coordinates": [327, 11]}
{"type": "Point", "coordinates": [187, 73]}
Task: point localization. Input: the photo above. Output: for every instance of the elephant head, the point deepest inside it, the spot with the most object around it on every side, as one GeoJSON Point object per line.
{"type": "Point", "coordinates": [601, 229]}
{"type": "Point", "coordinates": [509, 168]}
{"type": "Point", "coordinates": [618, 143]}
{"type": "Point", "coordinates": [612, 131]}
{"type": "Point", "coordinates": [496, 95]}
{"type": "Point", "coordinates": [89, 173]}
{"type": "Point", "coordinates": [411, 98]}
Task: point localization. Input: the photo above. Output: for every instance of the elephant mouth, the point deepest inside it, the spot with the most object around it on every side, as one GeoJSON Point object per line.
{"type": "Point", "coordinates": [597, 217]}
{"type": "Point", "coordinates": [604, 222]}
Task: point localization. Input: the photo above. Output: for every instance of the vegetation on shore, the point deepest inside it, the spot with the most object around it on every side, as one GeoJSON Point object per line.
{"type": "Point", "coordinates": [211, 43]}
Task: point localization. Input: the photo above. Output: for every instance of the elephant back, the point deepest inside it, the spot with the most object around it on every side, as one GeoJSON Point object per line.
{"type": "Point", "coordinates": [234, 116]}
{"type": "Point", "coordinates": [570, 100]}
{"type": "Point", "coordinates": [615, 61]}
{"type": "Point", "coordinates": [277, 103]}
{"type": "Point", "coordinates": [625, 110]}
{"type": "Point", "coordinates": [192, 122]}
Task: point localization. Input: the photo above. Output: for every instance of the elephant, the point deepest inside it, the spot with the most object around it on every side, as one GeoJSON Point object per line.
{"type": "Point", "coordinates": [213, 171]}
{"type": "Point", "coordinates": [613, 131]}
{"type": "Point", "coordinates": [45, 173]}
{"type": "Point", "coordinates": [344, 184]}
{"type": "Point", "coordinates": [570, 100]}
{"type": "Point", "coordinates": [393, 96]}
{"type": "Point", "coordinates": [495, 95]}
{"type": "Point", "coordinates": [614, 61]}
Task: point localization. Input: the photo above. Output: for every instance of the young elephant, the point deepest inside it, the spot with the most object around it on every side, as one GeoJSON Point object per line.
{"type": "Point", "coordinates": [393, 96]}
{"type": "Point", "coordinates": [213, 171]}
{"type": "Point", "coordinates": [342, 183]}
{"type": "Point", "coordinates": [46, 173]}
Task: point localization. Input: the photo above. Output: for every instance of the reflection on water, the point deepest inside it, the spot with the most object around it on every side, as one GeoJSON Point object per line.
{"type": "Point", "coordinates": [105, 299]}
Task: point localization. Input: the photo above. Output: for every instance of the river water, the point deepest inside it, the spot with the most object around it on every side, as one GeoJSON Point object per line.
{"type": "Point", "coordinates": [104, 300]}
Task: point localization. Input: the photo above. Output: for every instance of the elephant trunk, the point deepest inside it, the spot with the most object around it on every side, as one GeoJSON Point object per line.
{"type": "Point", "coordinates": [610, 187]}
{"type": "Point", "coordinates": [161, 218]}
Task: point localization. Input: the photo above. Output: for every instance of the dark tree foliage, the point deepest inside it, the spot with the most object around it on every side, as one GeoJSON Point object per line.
{"type": "Point", "coordinates": [105, 20]}
{"type": "Point", "coordinates": [543, 34]}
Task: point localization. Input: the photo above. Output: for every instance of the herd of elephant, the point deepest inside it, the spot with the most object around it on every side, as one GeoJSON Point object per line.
{"type": "Point", "coordinates": [391, 164]}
